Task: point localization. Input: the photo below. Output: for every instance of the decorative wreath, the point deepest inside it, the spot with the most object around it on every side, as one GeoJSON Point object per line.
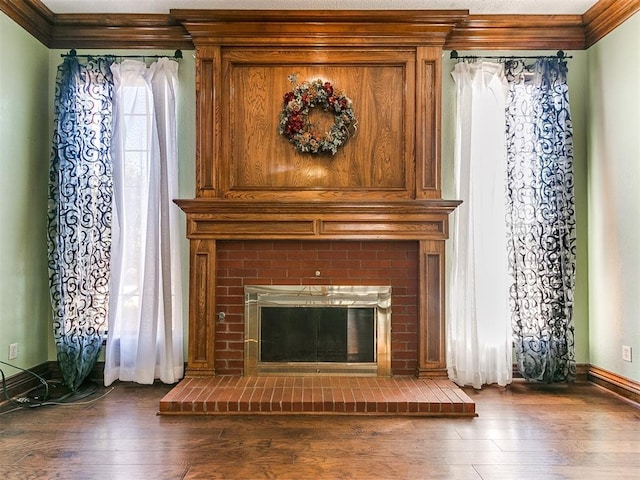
{"type": "Point", "coordinates": [294, 118]}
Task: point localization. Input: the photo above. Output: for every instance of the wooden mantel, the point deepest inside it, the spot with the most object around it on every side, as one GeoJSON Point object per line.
{"type": "Point", "coordinates": [211, 220]}
{"type": "Point", "coordinates": [383, 184]}
{"type": "Point", "coordinates": [259, 220]}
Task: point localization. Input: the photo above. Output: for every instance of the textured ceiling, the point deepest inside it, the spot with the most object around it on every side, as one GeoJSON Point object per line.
{"type": "Point", "coordinates": [474, 6]}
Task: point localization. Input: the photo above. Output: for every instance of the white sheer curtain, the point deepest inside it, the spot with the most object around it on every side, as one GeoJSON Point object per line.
{"type": "Point", "coordinates": [479, 329]}
{"type": "Point", "coordinates": [145, 309]}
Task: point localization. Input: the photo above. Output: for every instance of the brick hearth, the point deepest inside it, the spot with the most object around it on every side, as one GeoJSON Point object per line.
{"type": "Point", "coordinates": [317, 395]}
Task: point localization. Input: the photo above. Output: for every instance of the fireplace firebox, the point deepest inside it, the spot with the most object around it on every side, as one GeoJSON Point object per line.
{"type": "Point", "coordinates": [315, 330]}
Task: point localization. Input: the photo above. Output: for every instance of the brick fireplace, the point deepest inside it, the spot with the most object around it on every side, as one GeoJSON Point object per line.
{"type": "Point", "coordinates": [265, 213]}
{"type": "Point", "coordinates": [295, 262]}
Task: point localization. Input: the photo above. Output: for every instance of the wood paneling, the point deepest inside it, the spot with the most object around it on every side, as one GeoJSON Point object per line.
{"type": "Point", "coordinates": [431, 329]}
{"type": "Point", "coordinates": [208, 79]}
{"type": "Point", "coordinates": [321, 18]}
{"type": "Point", "coordinates": [428, 115]}
{"type": "Point", "coordinates": [383, 183]}
{"type": "Point", "coordinates": [202, 301]}
{"type": "Point", "coordinates": [255, 162]}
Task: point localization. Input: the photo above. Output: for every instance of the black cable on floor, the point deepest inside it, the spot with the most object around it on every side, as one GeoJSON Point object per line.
{"type": "Point", "coordinates": [4, 385]}
{"type": "Point", "coordinates": [51, 392]}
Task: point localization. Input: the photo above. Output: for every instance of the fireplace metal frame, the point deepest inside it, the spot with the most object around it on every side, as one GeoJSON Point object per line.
{"type": "Point", "coordinates": [257, 296]}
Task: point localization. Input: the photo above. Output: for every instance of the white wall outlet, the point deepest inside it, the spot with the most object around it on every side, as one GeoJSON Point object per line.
{"type": "Point", "coordinates": [13, 351]}
{"type": "Point", "coordinates": [626, 353]}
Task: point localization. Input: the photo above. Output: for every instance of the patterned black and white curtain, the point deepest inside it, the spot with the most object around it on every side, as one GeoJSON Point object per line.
{"type": "Point", "coordinates": [541, 219]}
{"type": "Point", "coordinates": [79, 214]}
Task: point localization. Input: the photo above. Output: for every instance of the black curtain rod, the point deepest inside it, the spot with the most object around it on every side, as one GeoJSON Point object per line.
{"type": "Point", "coordinates": [454, 56]}
{"type": "Point", "coordinates": [72, 53]}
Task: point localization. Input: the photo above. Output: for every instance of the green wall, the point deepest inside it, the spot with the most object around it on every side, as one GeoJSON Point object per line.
{"type": "Point", "coordinates": [614, 198]}
{"type": "Point", "coordinates": [27, 84]}
{"type": "Point", "coordinates": [604, 84]}
{"type": "Point", "coordinates": [24, 169]}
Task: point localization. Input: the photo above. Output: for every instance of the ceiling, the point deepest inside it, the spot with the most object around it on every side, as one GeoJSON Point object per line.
{"type": "Point", "coordinates": [475, 7]}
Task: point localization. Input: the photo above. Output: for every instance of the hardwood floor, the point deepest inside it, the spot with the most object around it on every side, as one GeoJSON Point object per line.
{"type": "Point", "coordinates": [523, 432]}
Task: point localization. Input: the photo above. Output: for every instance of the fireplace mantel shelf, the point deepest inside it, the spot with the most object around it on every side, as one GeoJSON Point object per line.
{"type": "Point", "coordinates": [233, 219]}
{"type": "Point", "coordinates": [214, 205]}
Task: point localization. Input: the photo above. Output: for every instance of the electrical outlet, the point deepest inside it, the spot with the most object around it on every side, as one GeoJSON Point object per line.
{"type": "Point", "coordinates": [13, 351]}
{"type": "Point", "coordinates": [626, 353]}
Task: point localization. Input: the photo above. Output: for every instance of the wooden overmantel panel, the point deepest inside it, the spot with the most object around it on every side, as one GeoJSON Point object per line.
{"type": "Point", "coordinates": [376, 162]}
{"type": "Point", "coordinates": [387, 63]}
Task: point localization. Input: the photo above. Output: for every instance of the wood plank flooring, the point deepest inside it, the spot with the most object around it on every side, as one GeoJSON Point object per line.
{"type": "Point", "coordinates": [523, 432]}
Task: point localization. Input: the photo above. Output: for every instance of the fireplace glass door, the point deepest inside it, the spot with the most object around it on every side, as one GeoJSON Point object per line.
{"type": "Point", "coordinates": [317, 330]}
{"type": "Point", "coordinates": [317, 334]}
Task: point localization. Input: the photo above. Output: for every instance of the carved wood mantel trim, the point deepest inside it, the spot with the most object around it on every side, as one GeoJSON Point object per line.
{"type": "Point", "coordinates": [209, 220]}
{"type": "Point", "coordinates": [222, 219]}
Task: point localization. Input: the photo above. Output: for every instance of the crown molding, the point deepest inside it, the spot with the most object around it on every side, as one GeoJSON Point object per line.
{"type": "Point", "coordinates": [118, 31]}
{"type": "Point", "coordinates": [489, 32]}
{"type": "Point", "coordinates": [518, 32]}
{"type": "Point", "coordinates": [605, 16]}
{"type": "Point", "coordinates": [319, 27]}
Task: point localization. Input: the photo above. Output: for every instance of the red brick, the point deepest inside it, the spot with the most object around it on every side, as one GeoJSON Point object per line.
{"type": "Point", "coordinates": [348, 246]}
{"type": "Point", "coordinates": [340, 263]}
{"type": "Point", "coordinates": [242, 254]}
{"type": "Point", "coordinates": [332, 255]}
